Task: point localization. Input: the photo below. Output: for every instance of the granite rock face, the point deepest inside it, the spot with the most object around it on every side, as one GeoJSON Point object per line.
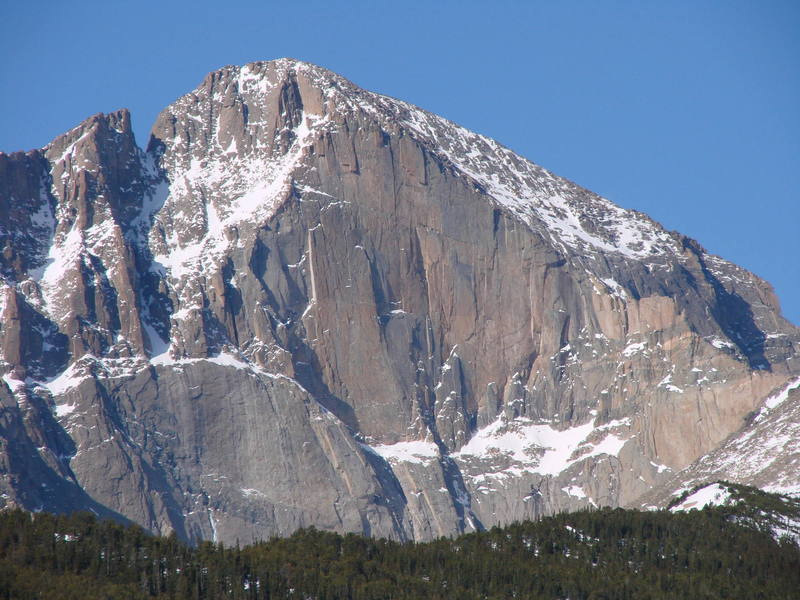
{"type": "Point", "coordinates": [309, 304]}
{"type": "Point", "coordinates": [764, 453]}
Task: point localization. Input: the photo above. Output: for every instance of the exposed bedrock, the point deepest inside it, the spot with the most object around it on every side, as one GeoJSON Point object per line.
{"type": "Point", "coordinates": [308, 304]}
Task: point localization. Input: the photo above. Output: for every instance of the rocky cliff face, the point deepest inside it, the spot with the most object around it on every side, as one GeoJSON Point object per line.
{"type": "Point", "coordinates": [309, 304]}
{"type": "Point", "coordinates": [765, 453]}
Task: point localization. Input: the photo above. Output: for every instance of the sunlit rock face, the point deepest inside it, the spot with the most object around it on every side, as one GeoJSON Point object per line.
{"type": "Point", "coordinates": [309, 304]}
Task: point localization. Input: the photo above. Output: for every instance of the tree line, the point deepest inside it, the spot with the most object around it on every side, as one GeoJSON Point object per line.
{"type": "Point", "coordinates": [599, 554]}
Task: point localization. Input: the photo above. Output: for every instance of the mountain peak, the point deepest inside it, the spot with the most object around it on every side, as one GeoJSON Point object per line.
{"type": "Point", "coordinates": [96, 129]}
{"type": "Point", "coordinates": [232, 104]}
{"type": "Point", "coordinates": [311, 304]}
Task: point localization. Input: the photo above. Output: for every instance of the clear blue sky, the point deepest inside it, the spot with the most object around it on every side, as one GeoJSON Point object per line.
{"type": "Point", "coordinates": [688, 111]}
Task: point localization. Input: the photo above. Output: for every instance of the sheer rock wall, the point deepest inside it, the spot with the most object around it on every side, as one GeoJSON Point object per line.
{"type": "Point", "coordinates": [307, 304]}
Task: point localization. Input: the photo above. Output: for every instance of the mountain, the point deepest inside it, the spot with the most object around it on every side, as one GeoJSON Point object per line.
{"type": "Point", "coordinates": [765, 452]}
{"type": "Point", "coordinates": [309, 304]}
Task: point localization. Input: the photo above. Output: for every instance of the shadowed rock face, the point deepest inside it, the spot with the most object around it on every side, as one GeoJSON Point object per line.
{"type": "Point", "coordinates": [308, 304]}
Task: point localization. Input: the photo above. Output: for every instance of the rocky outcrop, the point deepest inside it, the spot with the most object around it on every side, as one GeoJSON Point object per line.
{"type": "Point", "coordinates": [765, 453]}
{"type": "Point", "coordinates": [308, 304]}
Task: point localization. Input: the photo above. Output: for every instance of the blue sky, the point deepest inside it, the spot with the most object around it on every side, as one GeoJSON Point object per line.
{"type": "Point", "coordinates": [688, 111]}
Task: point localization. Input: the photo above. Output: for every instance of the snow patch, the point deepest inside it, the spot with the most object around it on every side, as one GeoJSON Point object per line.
{"type": "Point", "coordinates": [15, 385]}
{"type": "Point", "coordinates": [415, 452]}
{"type": "Point", "coordinates": [666, 383]}
{"type": "Point", "coordinates": [777, 399]}
{"type": "Point", "coordinates": [70, 378]}
{"type": "Point", "coordinates": [660, 468]}
{"type": "Point", "coordinates": [722, 344]}
{"type": "Point", "coordinates": [632, 349]}
{"type": "Point", "coordinates": [574, 491]}
{"type": "Point", "coordinates": [540, 448]}
{"type": "Point", "coordinates": [616, 288]}
{"type": "Point", "coordinates": [710, 495]}
{"type": "Point", "coordinates": [62, 410]}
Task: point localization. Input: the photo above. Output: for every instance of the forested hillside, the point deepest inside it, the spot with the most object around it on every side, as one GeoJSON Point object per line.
{"type": "Point", "coordinates": [585, 555]}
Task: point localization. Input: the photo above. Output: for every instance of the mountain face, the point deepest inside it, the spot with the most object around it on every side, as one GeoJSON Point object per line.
{"type": "Point", "coordinates": [764, 453]}
{"type": "Point", "coordinates": [309, 304]}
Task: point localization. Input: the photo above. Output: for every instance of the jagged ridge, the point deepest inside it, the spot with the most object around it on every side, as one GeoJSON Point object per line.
{"type": "Point", "coordinates": [311, 304]}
